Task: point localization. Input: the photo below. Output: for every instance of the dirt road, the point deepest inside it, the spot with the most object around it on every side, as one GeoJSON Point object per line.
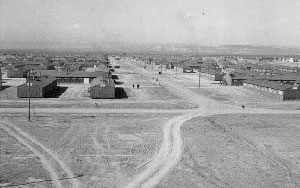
{"type": "Point", "coordinates": [38, 111]}
{"type": "Point", "coordinates": [47, 157]}
{"type": "Point", "coordinates": [170, 153]}
{"type": "Point", "coordinates": [172, 147]}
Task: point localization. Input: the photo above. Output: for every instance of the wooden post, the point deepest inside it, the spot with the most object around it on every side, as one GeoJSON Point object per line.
{"type": "Point", "coordinates": [199, 77]}
{"type": "Point", "coordinates": [28, 84]}
{"type": "Point", "coordinates": [151, 62]}
{"type": "Point", "coordinates": [200, 69]}
{"type": "Point", "coordinates": [176, 66]}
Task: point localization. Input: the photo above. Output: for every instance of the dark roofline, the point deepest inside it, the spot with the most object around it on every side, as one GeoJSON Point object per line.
{"type": "Point", "coordinates": [79, 74]}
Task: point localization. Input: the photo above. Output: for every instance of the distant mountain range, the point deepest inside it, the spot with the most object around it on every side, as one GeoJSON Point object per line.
{"type": "Point", "coordinates": [153, 48]}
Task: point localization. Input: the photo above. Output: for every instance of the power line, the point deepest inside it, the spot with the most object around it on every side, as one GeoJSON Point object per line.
{"type": "Point", "coordinates": [41, 181]}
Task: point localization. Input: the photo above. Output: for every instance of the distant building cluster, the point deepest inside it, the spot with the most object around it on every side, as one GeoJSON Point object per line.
{"type": "Point", "coordinates": [276, 77]}
{"type": "Point", "coordinates": [44, 73]}
{"type": "Point", "coordinates": [265, 75]}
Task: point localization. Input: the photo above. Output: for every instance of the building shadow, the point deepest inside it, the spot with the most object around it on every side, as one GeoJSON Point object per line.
{"type": "Point", "coordinates": [216, 83]}
{"type": "Point", "coordinates": [120, 93]}
{"type": "Point", "coordinates": [59, 91]}
{"type": "Point", "coordinates": [115, 77]}
{"type": "Point", "coordinates": [4, 87]}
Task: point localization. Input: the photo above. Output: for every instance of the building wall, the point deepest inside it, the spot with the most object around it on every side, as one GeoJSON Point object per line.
{"type": "Point", "coordinates": [86, 80]}
{"type": "Point", "coordinates": [219, 76]}
{"type": "Point", "coordinates": [69, 80]}
{"type": "Point", "coordinates": [49, 89]}
{"type": "Point", "coordinates": [273, 93]}
{"type": "Point", "coordinates": [237, 82]}
{"type": "Point", "coordinates": [0, 79]}
{"type": "Point", "coordinates": [75, 80]}
{"type": "Point", "coordinates": [287, 94]}
{"type": "Point", "coordinates": [106, 92]}
{"type": "Point", "coordinates": [35, 91]}
{"type": "Point", "coordinates": [15, 74]}
{"type": "Point", "coordinates": [45, 67]}
{"type": "Point", "coordinates": [292, 94]}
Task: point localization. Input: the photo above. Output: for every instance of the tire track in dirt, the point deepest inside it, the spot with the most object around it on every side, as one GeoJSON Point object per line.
{"type": "Point", "coordinates": [42, 152]}
{"type": "Point", "coordinates": [167, 158]}
{"type": "Point", "coordinates": [44, 161]}
{"type": "Point", "coordinates": [203, 172]}
{"type": "Point", "coordinates": [265, 153]}
{"type": "Point", "coordinates": [172, 146]}
{"type": "Point", "coordinates": [174, 156]}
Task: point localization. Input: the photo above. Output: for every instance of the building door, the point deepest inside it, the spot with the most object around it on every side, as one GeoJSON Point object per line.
{"type": "Point", "coordinates": [86, 80]}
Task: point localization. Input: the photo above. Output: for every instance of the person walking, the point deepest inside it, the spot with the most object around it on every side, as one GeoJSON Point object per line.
{"type": "Point", "coordinates": [138, 86]}
{"type": "Point", "coordinates": [132, 85]}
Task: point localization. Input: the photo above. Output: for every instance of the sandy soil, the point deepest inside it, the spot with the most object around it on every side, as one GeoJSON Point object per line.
{"type": "Point", "coordinates": [172, 147]}
{"type": "Point", "coordinates": [45, 155]}
{"type": "Point", "coordinates": [137, 141]}
{"type": "Point", "coordinates": [239, 151]}
{"type": "Point", "coordinates": [101, 147]}
{"type": "Point", "coordinates": [27, 166]}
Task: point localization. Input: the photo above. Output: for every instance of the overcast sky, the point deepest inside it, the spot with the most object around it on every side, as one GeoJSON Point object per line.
{"type": "Point", "coordinates": [264, 22]}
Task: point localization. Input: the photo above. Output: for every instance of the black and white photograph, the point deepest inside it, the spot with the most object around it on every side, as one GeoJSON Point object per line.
{"type": "Point", "coordinates": [149, 93]}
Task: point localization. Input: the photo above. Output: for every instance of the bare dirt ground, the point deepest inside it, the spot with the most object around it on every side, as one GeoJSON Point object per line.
{"type": "Point", "coordinates": [171, 150]}
{"type": "Point", "coordinates": [151, 95]}
{"type": "Point", "coordinates": [97, 104]}
{"type": "Point", "coordinates": [239, 151]}
{"type": "Point", "coordinates": [75, 92]}
{"type": "Point", "coordinates": [236, 95]}
{"type": "Point", "coordinates": [9, 91]}
{"type": "Point", "coordinates": [107, 149]}
{"type": "Point", "coordinates": [137, 141]}
{"type": "Point", "coordinates": [19, 164]}
{"type": "Point", "coordinates": [45, 155]}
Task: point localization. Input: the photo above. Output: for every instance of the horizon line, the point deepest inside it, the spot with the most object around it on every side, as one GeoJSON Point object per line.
{"type": "Point", "coordinates": [141, 43]}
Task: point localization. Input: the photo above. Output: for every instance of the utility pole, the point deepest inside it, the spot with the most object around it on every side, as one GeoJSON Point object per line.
{"type": "Point", "coordinates": [200, 69]}
{"type": "Point", "coordinates": [199, 77]}
{"type": "Point", "coordinates": [28, 84]}
{"type": "Point", "coordinates": [151, 62]}
{"type": "Point", "coordinates": [176, 67]}
{"type": "Point", "coordinates": [0, 76]}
